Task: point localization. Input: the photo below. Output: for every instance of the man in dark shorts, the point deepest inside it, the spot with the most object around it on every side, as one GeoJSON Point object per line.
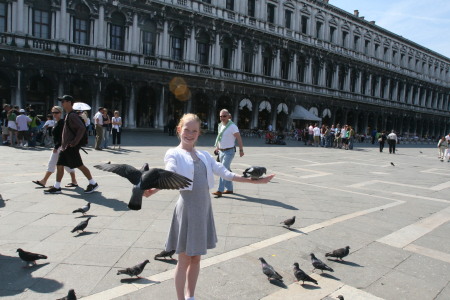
{"type": "Point", "coordinates": [72, 134]}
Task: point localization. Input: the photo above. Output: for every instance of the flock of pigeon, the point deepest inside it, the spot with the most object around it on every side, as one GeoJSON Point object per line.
{"type": "Point", "coordinates": [143, 179]}
{"type": "Point", "coordinates": [147, 178]}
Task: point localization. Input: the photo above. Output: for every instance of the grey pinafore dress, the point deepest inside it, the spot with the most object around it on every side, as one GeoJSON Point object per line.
{"type": "Point", "coordinates": [192, 230]}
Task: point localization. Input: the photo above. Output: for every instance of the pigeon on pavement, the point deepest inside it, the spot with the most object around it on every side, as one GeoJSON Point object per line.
{"type": "Point", "coordinates": [82, 226]}
{"type": "Point", "coordinates": [302, 276]}
{"type": "Point", "coordinates": [83, 209]}
{"type": "Point", "coordinates": [29, 256]}
{"type": "Point", "coordinates": [392, 164]}
{"type": "Point", "coordinates": [340, 297]}
{"type": "Point", "coordinates": [70, 296]}
{"type": "Point", "coordinates": [164, 254]}
{"type": "Point", "coordinates": [270, 271]}
{"type": "Point", "coordinates": [254, 172]}
{"type": "Point", "coordinates": [318, 264]}
{"type": "Point", "coordinates": [339, 253]}
{"type": "Point", "coordinates": [146, 178]}
{"type": "Point", "coordinates": [134, 271]}
{"type": "Point", "coordinates": [289, 222]}
{"type": "Point", "coordinates": [420, 151]}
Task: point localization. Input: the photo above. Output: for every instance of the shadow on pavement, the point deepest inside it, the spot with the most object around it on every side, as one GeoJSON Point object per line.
{"type": "Point", "coordinates": [99, 199]}
{"type": "Point", "coordinates": [85, 233]}
{"type": "Point", "coordinates": [263, 201]}
{"type": "Point", "coordinates": [347, 263]}
{"type": "Point", "coordinates": [15, 279]}
{"type": "Point", "coordinates": [329, 276]}
{"type": "Point", "coordinates": [278, 283]}
{"type": "Point", "coordinates": [168, 261]}
{"type": "Point", "coordinates": [137, 280]}
{"type": "Point", "coordinates": [310, 286]}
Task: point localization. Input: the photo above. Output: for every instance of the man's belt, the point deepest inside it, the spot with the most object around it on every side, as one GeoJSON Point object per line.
{"type": "Point", "coordinates": [227, 149]}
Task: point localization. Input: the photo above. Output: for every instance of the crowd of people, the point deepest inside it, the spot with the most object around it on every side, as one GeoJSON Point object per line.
{"type": "Point", "coordinates": [23, 128]}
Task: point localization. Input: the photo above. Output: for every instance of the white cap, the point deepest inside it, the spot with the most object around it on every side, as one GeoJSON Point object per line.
{"type": "Point", "coordinates": [22, 110]}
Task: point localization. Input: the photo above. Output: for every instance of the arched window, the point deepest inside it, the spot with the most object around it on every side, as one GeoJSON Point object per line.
{"type": "Point", "coordinates": [177, 43]}
{"type": "Point", "coordinates": [267, 61]}
{"type": "Point", "coordinates": [149, 38]}
{"type": "Point", "coordinates": [203, 48]}
{"type": "Point", "coordinates": [81, 25]}
{"type": "Point", "coordinates": [42, 19]}
{"type": "Point", "coordinates": [227, 50]}
{"type": "Point", "coordinates": [3, 17]}
{"type": "Point", "coordinates": [247, 58]}
{"type": "Point", "coordinates": [117, 31]}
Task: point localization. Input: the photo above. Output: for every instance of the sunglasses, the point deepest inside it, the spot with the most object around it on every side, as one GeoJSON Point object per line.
{"type": "Point", "coordinates": [223, 116]}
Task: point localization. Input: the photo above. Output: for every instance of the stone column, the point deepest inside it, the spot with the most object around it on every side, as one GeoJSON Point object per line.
{"type": "Point", "coordinates": [378, 87]}
{"type": "Point", "coordinates": [292, 67]}
{"type": "Point", "coordinates": [101, 26]}
{"type": "Point", "coordinates": [276, 69]}
{"type": "Point", "coordinates": [335, 83]}
{"type": "Point", "coordinates": [358, 82]}
{"type": "Point", "coordinates": [395, 91]}
{"type": "Point", "coordinates": [217, 51]}
{"type": "Point", "coordinates": [98, 95]}
{"type": "Point", "coordinates": [417, 98]}
{"type": "Point", "coordinates": [387, 89]}
{"type": "Point", "coordinates": [238, 58]}
{"type": "Point", "coordinates": [19, 17]}
{"type": "Point", "coordinates": [308, 74]}
{"type": "Point", "coordinates": [410, 95]}
{"type": "Point", "coordinates": [348, 72]}
{"type": "Point", "coordinates": [258, 65]}
{"type": "Point", "coordinates": [162, 104]}
{"type": "Point", "coordinates": [369, 85]}
{"type": "Point", "coordinates": [322, 73]}
{"type": "Point", "coordinates": [135, 35]}
{"type": "Point", "coordinates": [255, 115]}
{"type": "Point", "coordinates": [165, 40]}
{"type": "Point", "coordinates": [403, 93]}
{"type": "Point", "coordinates": [18, 91]}
{"type": "Point", "coordinates": [62, 22]}
{"type": "Point", "coordinates": [131, 122]}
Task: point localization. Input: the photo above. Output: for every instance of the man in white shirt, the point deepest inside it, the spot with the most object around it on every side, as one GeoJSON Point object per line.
{"type": "Point", "coordinates": [316, 132]}
{"type": "Point", "coordinates": [228, 134]}
{"type": "Point", "coordinates": [22, 122]}
{"type": "Point", "coordinates": [98, 122]}
{"type": "Point", "coordinates": [392, 141]}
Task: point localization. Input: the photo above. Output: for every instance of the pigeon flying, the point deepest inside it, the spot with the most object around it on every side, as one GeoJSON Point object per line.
{"type": "Point", "coordinates": [145, 179]}
{"type": "Point", "coordinates": [302, 276]}
{"type": "Point", "coordinates": [70, 296]}
{"type": "Point", "coordinates": [82, 226]}
{"type": "Point", "coordinates": [134, 271]}
{"type": "Point", "coordinates": [270, 271]}
{"type": "Point", "coordinates": [29, 256]}
{"type": "Point", "coordinates": [339, 253]}
{"type": "Point", "coordinates": [254, 172]}
{"type": "Point", "coordinates": [392, 164]}
{"type": "Point", "coordinates": [83, 209]}
{"type": "Point", "coordinates": [164, 254]}
{"type": "Point", "coordinates": [318, 264]}
{"type": "Point", "coordinates": [289, 222]}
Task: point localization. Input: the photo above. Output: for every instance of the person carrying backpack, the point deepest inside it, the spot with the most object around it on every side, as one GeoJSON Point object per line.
{"type": "Point", "coordinates": [72, 136]}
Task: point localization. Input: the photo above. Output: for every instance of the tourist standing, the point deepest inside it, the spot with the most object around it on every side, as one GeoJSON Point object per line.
{"type": "Point", "coordinates": [392, 141]}
{"type": "Point", "coordinates": [98, 121]}
{"type": "Point", "coordinates": [225, 144]}
{"type": "Point", "coordinates": [116, 128]}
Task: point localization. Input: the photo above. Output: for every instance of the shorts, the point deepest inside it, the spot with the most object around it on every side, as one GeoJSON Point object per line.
{"type": "Point", "coordinates": [5, 130]}
{"type": "Point", "coordinates": [345, 141]}
{"type": "Point", "coordinates": [22, 135]}
{"type": "Point", "coordinates": [70, 158]}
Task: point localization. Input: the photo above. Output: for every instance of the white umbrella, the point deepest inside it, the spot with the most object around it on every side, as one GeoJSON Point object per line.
{"type": "Point", "coordinates": [80, 106]}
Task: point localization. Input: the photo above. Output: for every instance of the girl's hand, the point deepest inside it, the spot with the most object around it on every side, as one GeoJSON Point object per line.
{"type": "Point", "coordinates": [149, 192]}
{"type": "Point", "coordinates": [264, 180]}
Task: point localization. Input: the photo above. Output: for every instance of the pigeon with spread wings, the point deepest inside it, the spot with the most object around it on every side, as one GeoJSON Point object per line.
{"type": "Point", "coordinates": [146, 178]}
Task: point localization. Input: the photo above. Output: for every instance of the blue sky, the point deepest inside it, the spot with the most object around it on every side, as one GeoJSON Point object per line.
{"type": "Point", "coordinates": [426, 23]}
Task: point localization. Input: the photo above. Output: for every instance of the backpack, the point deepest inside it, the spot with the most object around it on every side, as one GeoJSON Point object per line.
{"type": "Point", "coordinates": [84, 140]}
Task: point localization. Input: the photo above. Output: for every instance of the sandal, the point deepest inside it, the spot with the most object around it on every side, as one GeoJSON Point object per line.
{"type": "Point", "coordinates": [38, 183]}
{"type": "Point", "coordinates": [71, 185]}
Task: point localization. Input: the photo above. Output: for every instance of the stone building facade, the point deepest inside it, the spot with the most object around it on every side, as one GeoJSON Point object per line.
{"type": "Point", "coordinates": [264, 60]}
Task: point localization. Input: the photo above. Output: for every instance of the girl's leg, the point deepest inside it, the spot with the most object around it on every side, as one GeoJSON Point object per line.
{"type": "Point", "coordinates": [180, 274]}
{"type": "Point", "coordinates": [192, 275]}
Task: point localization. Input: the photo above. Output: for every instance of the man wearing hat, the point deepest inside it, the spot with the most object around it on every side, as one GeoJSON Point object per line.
{"type": "Point", "coordinates": [72, 134]}
{"type": "Point", "coordinates": [22, 122]}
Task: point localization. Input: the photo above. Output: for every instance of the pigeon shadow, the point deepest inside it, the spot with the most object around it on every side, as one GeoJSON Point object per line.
{"type": "Point", "coordinates": [327, 275]}
{"type": "Point", "coordinates": [269, 202]}
{"type": "Point", "coordinates": [85, 233]}
{"type": "Point", "coordinates": [168, 261]}
{"type": "Point", "coordinates": [86, 216]}
{"type": "Point", "coordinates": [98, 199]}
{"type": "Point", "coordinates": [36, 267]}
{"type": "Point", "coordinates": [347, 263]}
{"type": "Point", "coordinates": [2, 203]}
{"type": "Point", "coordinates": [278, 283]}
{"type": "Point", "coordinates": [137, 280]}
{"type": "Point", "coordinates": [19, 279]}
{"type": "Point", "coordinates": [295, 230]}
{"type": "Point", "coordinates": [309, 286]}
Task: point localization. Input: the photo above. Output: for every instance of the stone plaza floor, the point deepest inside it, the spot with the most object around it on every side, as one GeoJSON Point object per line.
{"type": "Point", "coordinates": [394, 218]}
